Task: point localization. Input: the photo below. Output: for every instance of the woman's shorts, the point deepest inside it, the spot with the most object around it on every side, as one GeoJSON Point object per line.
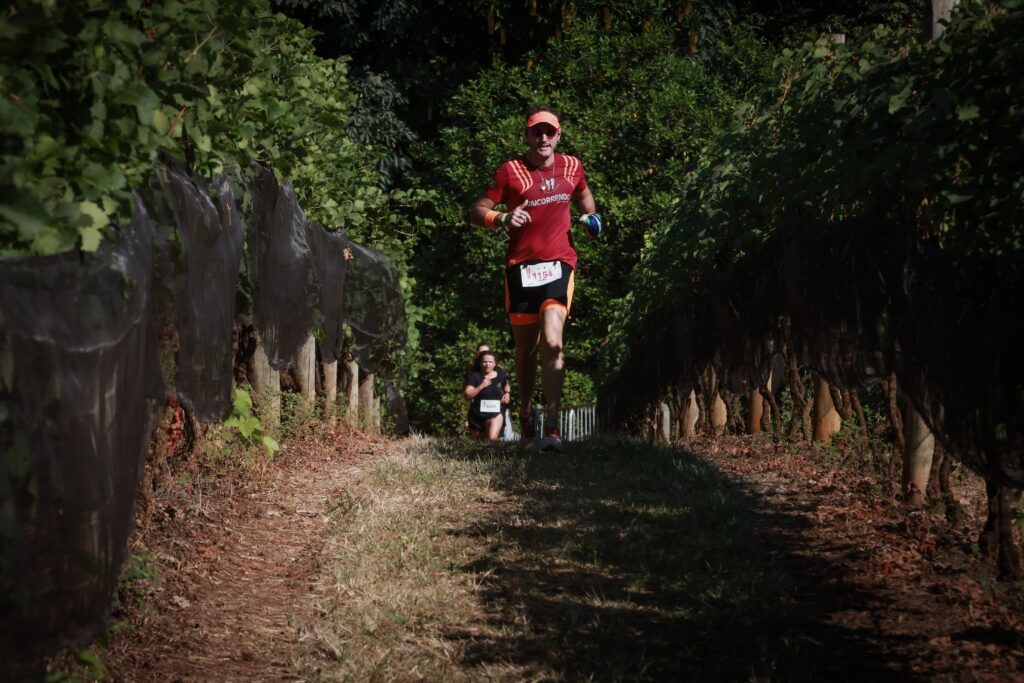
{"type": "Point", "coordinates": [478, 422]}
{"type": "Point", "coordinates": [534, 286]}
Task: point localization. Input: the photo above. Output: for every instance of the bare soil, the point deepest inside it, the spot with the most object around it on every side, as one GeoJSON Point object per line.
{"type": "Point", "coordinates": [881, 593]}
{"type": "Point", "coordinates": [906, 586]}
{"type": "Point", "coordinates": [235, 570]}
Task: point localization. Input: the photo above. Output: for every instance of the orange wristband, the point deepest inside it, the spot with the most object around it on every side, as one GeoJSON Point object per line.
{"type": "Point", "coordinates": [492, 217]}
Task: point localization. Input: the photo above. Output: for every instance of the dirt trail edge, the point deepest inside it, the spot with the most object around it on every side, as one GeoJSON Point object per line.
{"type": "Point", "coordinates": [908, 586]}
{"type": "Point", "coordinates": [729, 559]}
{"type": "Point", "coordinates": [235, 572]}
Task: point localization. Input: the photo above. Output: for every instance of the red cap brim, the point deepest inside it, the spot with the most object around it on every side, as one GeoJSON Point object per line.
{"type": "Point", "coordinates": [543, 117]}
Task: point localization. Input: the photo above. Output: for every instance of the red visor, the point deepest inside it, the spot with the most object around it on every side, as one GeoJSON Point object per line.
{"type": "Point", "coordinates": [543, 117]}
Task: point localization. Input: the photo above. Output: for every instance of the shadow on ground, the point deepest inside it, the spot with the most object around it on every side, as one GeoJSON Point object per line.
{"type": "Point", "coordinates": [621, 561]}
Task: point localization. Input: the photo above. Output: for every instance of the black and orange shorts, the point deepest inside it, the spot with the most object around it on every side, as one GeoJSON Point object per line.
{"type": "Point", "coordinates": [532, 287]}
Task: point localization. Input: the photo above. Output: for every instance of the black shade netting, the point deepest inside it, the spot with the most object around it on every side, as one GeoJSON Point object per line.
{"type": "Point", "coordinates": [961, 360]}
{"type": "Point", "coordinates": [280, 270]}
{"type": "Point", "coordinates": [204, 299]}
{"type": "Point", "coordinates": [328, 252]}
{"type": "Point", "coordinates": [75, 418]}
{"type": "Point", "coordinates": [834, 295]}
{"type": "Point", "coordinates": [672, 346]}
{"type": "Point", "coordinates": [745, 325]}
{"type": "Point", "coordinates": [398, 413]}
{"type": "Point", "coordinates": [374, 306]}
{"type": "Point", "coordinates": [819, 289]}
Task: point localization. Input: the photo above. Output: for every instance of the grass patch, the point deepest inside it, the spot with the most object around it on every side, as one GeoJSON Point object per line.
{"type": "Point", "coordinates": [614, 561]}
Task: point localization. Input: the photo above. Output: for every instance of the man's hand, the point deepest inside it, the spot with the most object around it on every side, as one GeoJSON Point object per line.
{"type": "Point", "coordinates": [593, 222]}
{"type": "Point", "coordinates": [519, 216]}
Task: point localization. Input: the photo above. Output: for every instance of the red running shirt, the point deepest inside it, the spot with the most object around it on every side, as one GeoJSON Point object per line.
{"type": "Point", "coordinates": [548, 192]}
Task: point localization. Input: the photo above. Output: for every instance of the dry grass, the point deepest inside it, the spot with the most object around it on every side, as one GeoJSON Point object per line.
{"type": "Point", "coordinates": [451, 561]}
{"type": "Point", "coordinates": [395, 583]}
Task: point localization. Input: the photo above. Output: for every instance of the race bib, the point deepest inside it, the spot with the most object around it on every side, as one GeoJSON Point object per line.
{"type": "Point", "coordinates": [537, 274]}
{"type": "Point", "coordinates": [490, 405]}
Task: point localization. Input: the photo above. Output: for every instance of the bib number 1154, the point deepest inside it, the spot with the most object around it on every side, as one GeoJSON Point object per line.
{"type": "Point", "coordinates": [537, 274]}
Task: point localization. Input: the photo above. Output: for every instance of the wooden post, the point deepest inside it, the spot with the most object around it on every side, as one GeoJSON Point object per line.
{"type": "Point", "coordinates": [352, 411]}
{"type": "Point", "coordinates": [719, 414]}
{"type": "Point", "coordinates": [305, 371]}
{"type": "Point", "coordinates": [717, 410]}
{"type": "Point", "coordinates": [918, 450]}
{"type": "Point", "coordinates": [918, 441]}
{"type": "Point", "coordinates": [366, 402]}
{"type": "Point", "coordinates": [937, 10]}
{"type": "Point", "coordinates": [266, 384]}
{"type": "Point", "coordinates": [826, 419]}
{"type": "Point", "coordinates": [691, 413]}
{"type": "Point", "coordinates": [664, 424]}
{"type": "Point", "coordinates": [755, 412]}
{"type": "Point", "coordinates": [769, 407]}
{"type": "Point", "coordinates": [330, 392]}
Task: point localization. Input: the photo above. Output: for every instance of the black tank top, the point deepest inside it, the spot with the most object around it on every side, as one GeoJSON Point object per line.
{"type": "Point", "coordinates": [490, 397]}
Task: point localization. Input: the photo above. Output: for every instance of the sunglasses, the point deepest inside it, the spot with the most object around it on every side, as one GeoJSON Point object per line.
{"type": "Point", "coordinates": [543, 129]}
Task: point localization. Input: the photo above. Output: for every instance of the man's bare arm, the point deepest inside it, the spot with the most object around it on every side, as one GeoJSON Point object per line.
{"type": "Point", "coordinates": [483, 206]}
{"type": "Point", "coordinates": [484, 215]}
{"type": "Point", "coordinates": [583, 200]}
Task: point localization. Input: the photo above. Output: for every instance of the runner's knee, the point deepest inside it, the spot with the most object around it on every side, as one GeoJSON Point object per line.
{"type": "Point", "coordinates": [551, 347]}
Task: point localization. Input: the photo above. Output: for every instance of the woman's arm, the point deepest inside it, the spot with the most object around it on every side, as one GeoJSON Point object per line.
{"type": "Point", "coordinates": [470, 392]}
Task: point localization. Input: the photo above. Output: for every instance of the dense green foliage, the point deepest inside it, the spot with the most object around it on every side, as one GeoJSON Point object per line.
{"type": "Point", "coordinates": [409, 59]}
{"type": "Point", "coordinates": [644, 88]}
{"type": "Point", "coordinates": [925, 132]}
{"type": "Point", "coordinates": [635, 111]}
{"type": "Point", "coordinates": [93, 91]}
{"type": "Point", "coordinates": [790, 23]}
{"type": "Point", "coordinates": [430, 49]}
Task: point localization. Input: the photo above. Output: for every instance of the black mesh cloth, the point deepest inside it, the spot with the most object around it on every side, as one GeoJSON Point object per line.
{"type": "Point", "coordinates": [374, 306]}
{"type": "Point", "coordinates": [869, 296]}
{"type": "Point", "coordinates": [75, 418]}
{"type": "Point", "coordinates": [280, 270]}
{"type": "Point", "coordinates": [835, 295]}
{"type": "Point", "coordinates": [80, 374]}
{"type": "Point", "coordinates": [858, 299]}
{"type": "Point", "coordinates": [678, 344]}
{"type": "Point", "coordinates": [398, 414]}
{"type": "Point", "coordinates": [330, 266]}
{"type": "Point", "coordinates": [960, 359]}
{"type": "Point", "coordinates": [744, 323]}
{"type": "Point", "coordinates": [204, 299]}
{"type": "Point", "coordinates": [302, 277]}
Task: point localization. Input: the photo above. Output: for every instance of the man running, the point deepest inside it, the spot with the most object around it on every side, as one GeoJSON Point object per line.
{"type": "Point", "coordinates": [536, 191]}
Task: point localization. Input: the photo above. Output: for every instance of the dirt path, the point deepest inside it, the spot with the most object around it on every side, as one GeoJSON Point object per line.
{"type": "Point", "coordinates": [380, 561]}
{"type": "Point", "coordinates": [908, 587]}
{"type": "Point", "coordinates": [236, 573]}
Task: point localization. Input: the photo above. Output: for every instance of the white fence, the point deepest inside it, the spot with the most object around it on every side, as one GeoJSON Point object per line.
{"type": "Point", "coordinates": [573, 424]}
{"type": "Point", "coordinates": [577, 423]}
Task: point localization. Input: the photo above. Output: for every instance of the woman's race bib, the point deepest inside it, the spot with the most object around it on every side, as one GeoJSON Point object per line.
{"type": "Point", "coordinates": [537, 274]}
{"type": "Point", "coordinates": [490, 405]}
